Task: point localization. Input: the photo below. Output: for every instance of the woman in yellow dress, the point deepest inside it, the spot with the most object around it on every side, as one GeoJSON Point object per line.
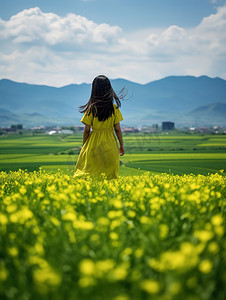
{"type": "Point", "coordinates": [100, 152]}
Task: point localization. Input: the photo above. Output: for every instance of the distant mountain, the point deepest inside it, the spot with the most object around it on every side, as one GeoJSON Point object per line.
{"type": "Point", "coordinates": [7, 117]}
{"type": "Point", "coordinates": [183, 99]}
{"type": "Point", "coordinates": [215, 112]}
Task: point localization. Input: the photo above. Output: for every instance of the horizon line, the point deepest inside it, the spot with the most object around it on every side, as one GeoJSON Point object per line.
{"type": "Point", "coordinates": [112, 79]}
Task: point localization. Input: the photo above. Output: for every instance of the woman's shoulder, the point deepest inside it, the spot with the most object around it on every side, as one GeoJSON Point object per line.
{"type": "Point", "coordinates": [115, 106]}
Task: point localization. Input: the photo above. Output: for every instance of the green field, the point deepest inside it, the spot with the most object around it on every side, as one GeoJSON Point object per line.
{"type": "Point", "coordinates": [157, 153]}
{"type": "Point", "coordinates": [156, 236]}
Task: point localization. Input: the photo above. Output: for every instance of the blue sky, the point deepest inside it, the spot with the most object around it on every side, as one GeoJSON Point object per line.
{"type": "Point", "coordinates": [128, 14]}
{"type": "Point", "coordinates": [62, 42]}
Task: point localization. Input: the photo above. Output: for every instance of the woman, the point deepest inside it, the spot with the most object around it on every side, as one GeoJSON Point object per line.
{"type": "Point", "coordinates": [100, 152]}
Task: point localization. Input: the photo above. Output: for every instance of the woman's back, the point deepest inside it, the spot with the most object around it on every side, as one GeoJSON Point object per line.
{"type": "Point", "coordinates": [94, 122]}
{"type": "Point", "coordinates": [100, 152]}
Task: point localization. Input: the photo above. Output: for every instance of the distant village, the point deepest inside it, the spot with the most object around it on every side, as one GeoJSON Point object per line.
{"type": "Point", "coordinates": [166, 128]}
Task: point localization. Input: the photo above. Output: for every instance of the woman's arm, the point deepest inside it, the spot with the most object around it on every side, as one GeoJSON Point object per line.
{"type": "Point", "coordinates": [119, 136]}
{"type": "Point", "coordinates": [86, 133]}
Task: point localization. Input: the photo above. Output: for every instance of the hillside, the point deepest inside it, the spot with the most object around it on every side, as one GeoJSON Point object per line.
{"type": "Point", "coordinates": [215, 111]}
{"type": "Point", "coordinates": [175, 98]}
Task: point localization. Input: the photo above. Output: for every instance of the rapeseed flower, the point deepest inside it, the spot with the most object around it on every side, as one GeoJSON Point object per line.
{"type": "Point", "coordinates": [3, 273]}
{"type": "Point", "coordinates": [121, 297]}
{"type": "Point", "coordinates": [150, 286]}
{"type": "Point", "coordinates": [159, 234]}
{"type": "Point", "coordinates": [205, 266]}
{"type": "Point", "coordinates": [87, 267]}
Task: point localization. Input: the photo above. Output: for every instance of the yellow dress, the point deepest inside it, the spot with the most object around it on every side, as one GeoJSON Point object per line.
{"type": "Point", "coordinates": [100, 152]}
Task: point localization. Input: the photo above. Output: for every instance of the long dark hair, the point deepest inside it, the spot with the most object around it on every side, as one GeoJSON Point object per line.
{"type": "Point", "coordinates": [101, 100]}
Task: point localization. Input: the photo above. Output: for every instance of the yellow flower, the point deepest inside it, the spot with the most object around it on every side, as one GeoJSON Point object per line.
{"type": "Point", "coordinates": [104, 266]}
{"type": "Point", "coordinates": [150, 286]}
{"type": "Point", "coordinates": [219, 230]}
{"type": "Point", "coordinates": [139, 252]}
{"type": "Point", "coordinates": [187, 248]}
{"type": "Point", "coordinates": [69, 216]}
{"type": "Point", "coordinates": [131, 214]}
{"type": "Point", "coordinates": [55, 221]}
{"type": "Point", "coordinates": [217, 220]}
{"type": "Point", "coordinates": [117, 203]}
{"type": "Point", "coordinates": [3, 219]}
{"type": "Point", "coordinates": [84, 225]}
{"type": "Point", "coordinates": [213, 247]}
{"type": "Point", "coordinates": [121, 297]}
{"type": "Point", "coordinates": [119, 273]}
{"type": "Point", "coordinates": [144, 220]}
{"type": "Point", "coordinates": [21, 215]}
{"type": "Point", "coordinates": [22, 190]}
{"type": "Point", "coordinates": [113, 235]}
{"type": "Point", "coordinates": [86, 281]}
{"type": "Point", "coordinates": [203, 235]}
{"type": "Point", "coordinates": [125, 253]}
{"type": "Point", "coordinates": [27, 213]}
{"type": "Point", "coordinates": [116, 223]}
{"type": "Point", "coordinates": [103, 221]}
{"type": "Point", "coordinates": [164, 229]}
{"type": "Point", "coordinates": [11, 208]}
{"type": "Point", "coordinates": [38, 247]}
{"type": "Point", "coordinates": [46, 278]}
{"type": "Point", "coordinates": [205, 266]}
{"type": "Point", "coordinates": [14, 218]}
{"type": "Point", "coordinates": [87, 267]}
{"type": "Point", "coordinates": [3, 273]}
{"type": "Point", "coordinates": [114, 214]}
{"type": "Point", "coordinates": [13, 251]}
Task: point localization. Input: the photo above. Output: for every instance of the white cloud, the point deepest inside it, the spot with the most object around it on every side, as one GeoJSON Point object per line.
{"type": "Point", "coordinates": [45, 48]}
{"type": "Point", "coordinates": [218, 2]}
{"type": "Point", "coordinates": [206, 42]}
{"type": "Point", "coordinates": [34, 26]}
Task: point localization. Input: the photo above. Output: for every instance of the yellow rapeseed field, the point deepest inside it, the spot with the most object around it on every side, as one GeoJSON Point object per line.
{"type": "Point", "coordinates": [137, 237]}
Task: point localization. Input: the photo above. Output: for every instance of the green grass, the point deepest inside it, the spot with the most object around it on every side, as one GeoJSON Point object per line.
{"type": "Point", "coordinates": [178, 163]}
{"type": "Point", "coordinates": [177, 154]}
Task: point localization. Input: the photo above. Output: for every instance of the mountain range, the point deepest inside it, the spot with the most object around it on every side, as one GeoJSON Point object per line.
{"type": "Point", "coordinates": [185, 100]}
